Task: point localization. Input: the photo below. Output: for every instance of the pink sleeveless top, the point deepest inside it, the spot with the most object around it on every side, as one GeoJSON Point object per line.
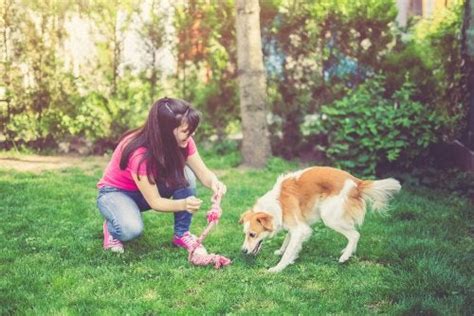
{"type": "Point", "coordinates": [122, 179]}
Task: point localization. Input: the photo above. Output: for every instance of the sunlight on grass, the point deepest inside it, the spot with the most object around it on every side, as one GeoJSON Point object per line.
{"type": "Point", "coordinates": [414, 259]}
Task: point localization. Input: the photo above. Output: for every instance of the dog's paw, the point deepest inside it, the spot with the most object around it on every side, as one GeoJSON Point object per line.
{"type": "Point", "coordinates": [344, 258]}
{"type": "Point", "coordinates": [275, 269]}
{"type": "Point", "coordinates": [278, 252]}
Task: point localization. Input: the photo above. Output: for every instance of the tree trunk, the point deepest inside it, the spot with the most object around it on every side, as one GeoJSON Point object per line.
{"type": "Point", "coordinates": [255, 144]}
{"type": "Point", "coordinates": [6, 60]}
{"type": "Point", "coordinates": [468, 69]}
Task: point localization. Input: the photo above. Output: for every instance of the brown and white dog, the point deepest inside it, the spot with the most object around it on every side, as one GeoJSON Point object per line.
{"type": "Point", "coordinates": [301, 198]}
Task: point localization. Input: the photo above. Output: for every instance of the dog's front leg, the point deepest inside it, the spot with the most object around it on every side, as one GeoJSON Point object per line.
{"type": "Point", "coordinates": [283, 247]}
{"type": "Point", "coordinates": [297, 238]}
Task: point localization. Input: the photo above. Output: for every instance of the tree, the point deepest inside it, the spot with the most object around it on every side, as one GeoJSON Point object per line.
{"type": "Point", "coordinates": [468, 54]}
{"type": "Point", "coordinates": [207, 62]}
{"type": "Point", "coordinates": [7, 23]}
{"type": "Point", "coordinates": [153, 35]}
{"type": "Point", "coordinates": [255, 145]}
{"type": "Point", "coordinates": [37, 89]}
{"type": "Point", "coordinates": [112, 19]}
{"type": "Point", "coordinates": [315, 51]}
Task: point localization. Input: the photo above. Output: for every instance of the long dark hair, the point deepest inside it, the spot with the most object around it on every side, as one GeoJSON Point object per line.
{"type": "Point", "coordinates": [165, 159]}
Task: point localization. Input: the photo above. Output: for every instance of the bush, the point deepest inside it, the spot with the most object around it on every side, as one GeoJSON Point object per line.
{"type": "Point", "coordinates": [364, 130]}
{"type": "Point", "coordinates": [314, 50]}
{"type": "Point", "coordinates": [90, 118]}
{"type": "Point", "coordinates": [431, 56]}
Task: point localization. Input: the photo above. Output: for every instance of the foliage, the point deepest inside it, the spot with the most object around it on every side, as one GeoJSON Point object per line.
{"type": "Point", "coordinates": [112, 19]}
{"type": "Point", "coordinates": [153, 34]}
{"type": "Point", "coordinates": [416, 259]}
{"type": "Point", "coordinates": [54, 105]}
{"type": "Point", "coordinates": [220, 155]}
{"type": "Point", "coordinates": [37, 102]}
{"type": "Point", "coordinates": [316, 49]}
{"type": "Point", "coordinates": [365, 129]}
{"type": "Point", "coordinates": [316, 52]}
{"type": "Point", "coordinates": [207, 62]}
{"type": "Point", "coordinates": [431, 56]}
{"type": "Point", "coordinates": [92, 118]}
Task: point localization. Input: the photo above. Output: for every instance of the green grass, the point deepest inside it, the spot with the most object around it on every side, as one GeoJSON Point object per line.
{"type": "Point", "coordinates": [415, 259]}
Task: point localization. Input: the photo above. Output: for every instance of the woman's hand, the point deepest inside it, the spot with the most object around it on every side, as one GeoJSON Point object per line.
{"type": "Point", "coordinates": [218, 188]}
{"type": "Point", "coordinates": [192, 204]}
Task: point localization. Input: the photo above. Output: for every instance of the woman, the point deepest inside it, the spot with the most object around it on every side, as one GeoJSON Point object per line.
{"type": "Point", "coordinates": [148, 171]}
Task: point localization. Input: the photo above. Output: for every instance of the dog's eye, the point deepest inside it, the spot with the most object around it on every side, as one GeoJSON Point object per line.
{"type": "Point", "coordinates": [252, 235]}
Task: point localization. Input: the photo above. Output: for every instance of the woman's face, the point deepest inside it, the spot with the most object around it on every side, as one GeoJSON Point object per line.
{"type": "Point", "coordinates": [181, 133]}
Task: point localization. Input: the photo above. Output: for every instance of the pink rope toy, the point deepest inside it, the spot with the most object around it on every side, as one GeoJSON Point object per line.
{"type": "Point", "coordinates": [206, 259]}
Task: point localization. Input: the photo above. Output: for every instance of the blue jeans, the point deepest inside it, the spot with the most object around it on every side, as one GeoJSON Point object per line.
{"type": "Point", "coordinates": [122, 209]}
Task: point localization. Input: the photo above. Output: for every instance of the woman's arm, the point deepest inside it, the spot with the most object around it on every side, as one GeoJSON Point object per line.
{"type": "Point", "coordinates": [152, 196]}
{"type": "Point", "coordinates": [206, 176]}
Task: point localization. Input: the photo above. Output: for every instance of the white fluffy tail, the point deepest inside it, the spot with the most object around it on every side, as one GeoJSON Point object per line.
{"type": "Point", "coordinates": [378, 192]}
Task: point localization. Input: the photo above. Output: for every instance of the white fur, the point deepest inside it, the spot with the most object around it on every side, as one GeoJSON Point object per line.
{"type": "Point", "coordinates": [296, 237]}
{"type": "Point", "coordinates": [380, 192]}
{"type": "Point", "coordinates": [246, 227]}
{"type": "Point", "coordinates": [332, 214]}
{"type": "Point", "coordinates": [270, 204]}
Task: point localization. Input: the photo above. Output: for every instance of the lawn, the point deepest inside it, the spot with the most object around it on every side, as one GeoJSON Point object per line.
{"type": "Point", "coordinates": [415, 259]}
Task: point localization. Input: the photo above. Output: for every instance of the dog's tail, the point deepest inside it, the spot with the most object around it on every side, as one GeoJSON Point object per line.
{"type": "Point", "coordinates": [378, 192]}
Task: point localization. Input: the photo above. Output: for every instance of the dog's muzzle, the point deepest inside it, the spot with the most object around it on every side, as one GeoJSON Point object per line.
{"type": "Point", "coordinates": [254, 251]}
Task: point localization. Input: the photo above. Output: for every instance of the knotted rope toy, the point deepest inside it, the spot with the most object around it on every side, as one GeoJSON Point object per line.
{"type": "Point", "coordinates": [204, 259]}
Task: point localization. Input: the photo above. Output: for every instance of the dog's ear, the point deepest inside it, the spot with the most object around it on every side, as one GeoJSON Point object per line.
{"type": "Point", "coordinates": [244, 216]}
{"type": "Point", "coordinates": [266, 220]}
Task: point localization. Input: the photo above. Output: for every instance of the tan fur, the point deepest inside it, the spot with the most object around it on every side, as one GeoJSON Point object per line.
{"type": "Point", "coordinates": [298, 196]}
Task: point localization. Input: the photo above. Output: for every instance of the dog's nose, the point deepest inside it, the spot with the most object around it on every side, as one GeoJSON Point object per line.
{"type": "Point", "coordinates": [244, 251]}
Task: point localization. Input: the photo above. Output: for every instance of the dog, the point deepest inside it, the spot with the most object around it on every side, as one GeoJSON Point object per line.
{"type": "Point", "coordinates": [300, 199]}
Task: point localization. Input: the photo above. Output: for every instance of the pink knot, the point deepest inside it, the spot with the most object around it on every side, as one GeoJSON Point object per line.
{"type": "Point", "coordinates": [221, 261]}
{"type": "Point", "coordinates": [203, 260]}
{"type": "Point", "coordinates": [214, 214]}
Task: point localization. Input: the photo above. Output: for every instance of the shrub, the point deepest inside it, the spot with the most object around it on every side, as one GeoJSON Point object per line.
{"type": "Point", "coordinates": [431, 56]}
{"type": "Point", "coordinates": [364, 130]}
{"type": "Point", "coordinates": [314, 50]}
{"type": "Point", "coordinates": [90, 118]}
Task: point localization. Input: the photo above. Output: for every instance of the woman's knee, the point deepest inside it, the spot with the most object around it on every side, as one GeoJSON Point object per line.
{"type": "Point", "coordinates": [130, 230]}
{"type": "Point", "coordinates": [123, 214]}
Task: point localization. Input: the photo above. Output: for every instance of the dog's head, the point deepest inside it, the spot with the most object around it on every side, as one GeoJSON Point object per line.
{"type": "Point", "coordinates": [257, 227]}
